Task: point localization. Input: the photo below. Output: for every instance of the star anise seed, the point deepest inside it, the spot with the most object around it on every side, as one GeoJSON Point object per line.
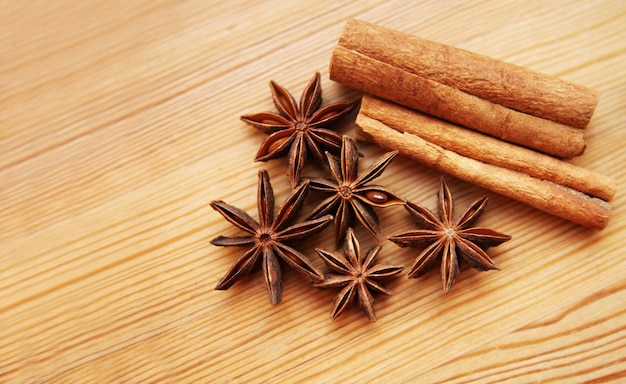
{"type": "Point", "coordinates": [299, 130]}
{"type": "Point", "coordinates": [268, 237]}
{"type": "Point", "coordinates": [356, 275]}
{"type": "Point", "coordinates": [449, 240]}
{"type": "Point", "coordinates": [351, 194]}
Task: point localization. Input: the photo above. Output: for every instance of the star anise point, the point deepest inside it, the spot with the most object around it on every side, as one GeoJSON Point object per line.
{"type": "Point", "coordinates": [351, 195]}
{"type": "Point", "coordinates": [356, 275]}
{"type": "Point", "coordinates": [299, 130]}
{"type": "Point", "coordinates": [268, 236]}
{"type": "Point", "coordinates": [449, 240]}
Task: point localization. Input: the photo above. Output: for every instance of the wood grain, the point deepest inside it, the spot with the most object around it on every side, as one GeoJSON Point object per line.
{"type": "Point", "coordinates": [119, 123]}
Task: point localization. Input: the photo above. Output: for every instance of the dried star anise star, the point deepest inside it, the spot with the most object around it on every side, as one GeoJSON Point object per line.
{"type": "Point", "coordinates": [268, 237]}
{"type": "Point", "coordinates": [351, 194]}
{"type": "Point", "coordinates": [356, 274]}
{"type": "Point", "coordinates": [448, 239]}
{"type": "Point", "coordinates": [299, 130]}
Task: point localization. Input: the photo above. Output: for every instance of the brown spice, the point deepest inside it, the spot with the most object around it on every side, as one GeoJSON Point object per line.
{"type": "Point", "coordinates": [352, 196]}
{"type": "Point", "coordinates": [299, 130]}
{"type": "Point", "coordinates": [448, 239]}
{"type": "Point", "coordinates": [356, 274]}
{"type": "Point", "coordinates": [268, 237]}
{"type": "Point", "coordinates": [547, 196]}
{"type": "Point", "coordinates": [507, 84]}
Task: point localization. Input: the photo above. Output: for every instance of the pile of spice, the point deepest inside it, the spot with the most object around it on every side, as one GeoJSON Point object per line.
{"type": "Point", "coordinates": [298, 130]}
{"type": "Point", "coordinates": [497, 125]}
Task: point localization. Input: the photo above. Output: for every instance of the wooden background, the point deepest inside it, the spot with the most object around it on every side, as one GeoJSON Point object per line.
{"type": "Point", "coordinates": [119, 123]}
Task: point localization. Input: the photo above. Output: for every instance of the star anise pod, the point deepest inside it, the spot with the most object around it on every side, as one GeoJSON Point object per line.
{"type": "Point", "coordinates": [299, 130]}
{"type": "Point", "coordinates": [268, 237]}
{"type": "Point", "coordinates": [351, 194]}
{"type": "Point", "coordinates": [356, 275]}
{"type": "Point", "coordinates": [449, 240]}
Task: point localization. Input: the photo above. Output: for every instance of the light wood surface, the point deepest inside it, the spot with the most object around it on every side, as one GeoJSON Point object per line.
{"type": "Point", "coordinates": [119, 123]}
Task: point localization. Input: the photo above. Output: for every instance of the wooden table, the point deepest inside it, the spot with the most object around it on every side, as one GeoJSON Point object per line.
{"type": "Point", "coordinates": [119, 123]}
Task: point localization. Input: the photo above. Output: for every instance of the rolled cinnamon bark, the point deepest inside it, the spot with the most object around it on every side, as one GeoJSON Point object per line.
{"type": "Point", "coordinates": [488, 149]}
{"type": "Point", "coordinates": [547, 196]}
{"type": "Point", "coordinates": [392, 83]}
{"type": "Point", "coordinates": [490, 79]}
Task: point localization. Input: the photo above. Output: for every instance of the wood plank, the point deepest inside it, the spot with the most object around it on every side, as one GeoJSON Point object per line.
{"type": "Point", "coordinates": [119, 123]}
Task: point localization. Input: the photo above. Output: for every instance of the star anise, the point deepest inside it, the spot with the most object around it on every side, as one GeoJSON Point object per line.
{"type": "Point", "coordinates": [351, 193]}
{"type": "Point", "coordinates": [448, 239]}
{"type": "Point", "coordinates": [356, 275]}
{"type": "Point", "coordinates": [299, 129]}
{"type": "Point", "coordinates": [268, 237]}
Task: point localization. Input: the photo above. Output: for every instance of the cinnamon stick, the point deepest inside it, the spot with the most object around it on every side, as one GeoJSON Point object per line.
{"type": "Point", "coordinates": [392, 83]}
{"type": "Point", "coordinates": [488, 149]}
{"type": "Point", "coordinates": [502, 83]}
{"type": "Point", "coordinates": [545, 195]}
